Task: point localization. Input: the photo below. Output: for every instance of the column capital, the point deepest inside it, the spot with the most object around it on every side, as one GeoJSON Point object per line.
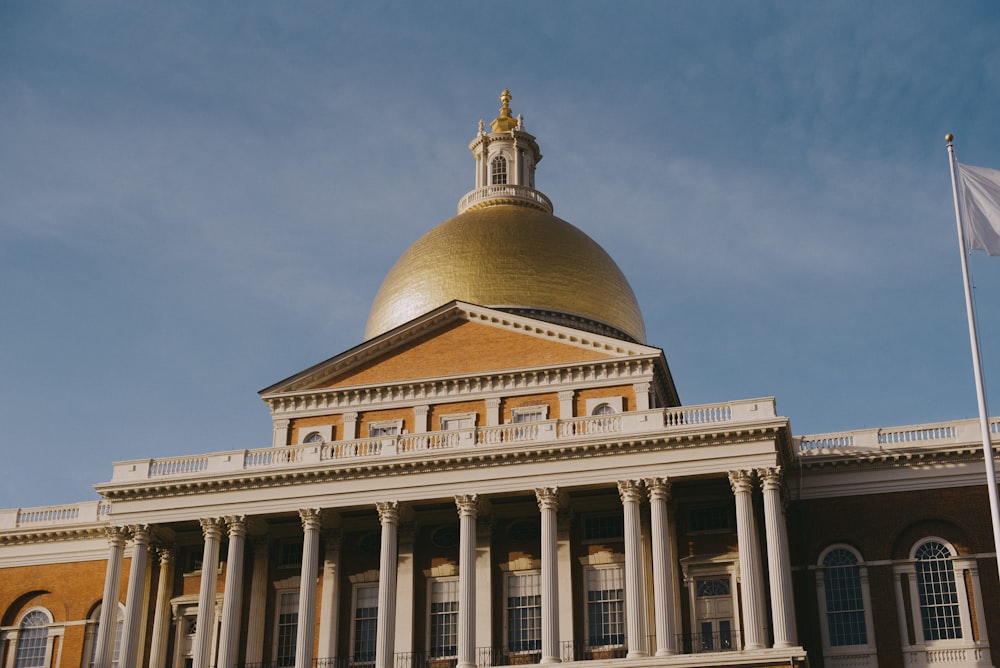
{"type": "Point", "coordinates": [493, 402]}
{"type": "Point", "coordinates": [630, 491]}
{"type": "Point", "coordinates": [566, 395]}
{"type": "Point", "coordinates": [281, 423]}
{"type": "Point", "coordinates": [741, 481]}
{"type": "Point", "coordinates": [770, 478]}
{"type": "Point", "coordinates": [211, 527]}
{"type": "Point", "coordinates": [388, 512]}
{"type": "Point", "coordinates": [421, 410]}
{"type": "Point", "coordinates": [165, 554]}
{"type": "Point", "coordinates": [351, 416]}
{"type": "Point", "coordinates": [468, 504]}
{"type": "Point", "coordinates": [115, 536]}
{"type": "Point", "coordinates": [311, 518]}
{"type": "Point", "coordinates": [658, 489]}
{"type": "Point", "coordinates": [236, 525]}
{"type": "Point", "coordinates": [140, 534]}
{"type": "Point", "coordinates": [547, 497]}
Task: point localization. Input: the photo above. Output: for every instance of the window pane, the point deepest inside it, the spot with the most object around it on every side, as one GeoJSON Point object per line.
{"type": "Point", "coordinates": [605, 607]}
{"type": "Point", "coordinates": [32, 640]}
{"type": "Point", "coordinates": [498, 167]}
{"type": "Point", "coordinates": [937, 591]}
{"type": "Point", "coordinates": [524, 613]}
{"type": "Point", "coordinates": [444, 618]}
{"type": "Point", "coordinates": [845, 608]}
{"type": "Point", "coordinates": [288, 622]}
{"type": "Point", "coordinates": [365, 624]}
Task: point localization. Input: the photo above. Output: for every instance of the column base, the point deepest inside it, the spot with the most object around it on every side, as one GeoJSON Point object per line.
{"type": "Point", "coordinates": [637, 655]}
{"type": "Point", "coordinates": [665, 652]}
{"type": "Point", "coordinates": [550, 659]}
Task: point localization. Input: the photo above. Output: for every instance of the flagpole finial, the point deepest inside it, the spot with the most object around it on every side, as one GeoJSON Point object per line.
{"type": "Point", "coordinates": [949, 137]}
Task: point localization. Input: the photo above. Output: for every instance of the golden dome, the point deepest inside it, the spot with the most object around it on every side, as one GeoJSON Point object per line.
{"type": "Point", "coordinates": [517, 258]}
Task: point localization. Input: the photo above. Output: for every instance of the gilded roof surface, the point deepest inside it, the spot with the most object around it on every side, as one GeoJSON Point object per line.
{"type": "Point", "coordinates": [507, 256]}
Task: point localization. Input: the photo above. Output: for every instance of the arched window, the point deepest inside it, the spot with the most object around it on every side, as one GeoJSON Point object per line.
{"type": "Point", "coordinates": [603, 409]}
{"type": "Point", "coordinates": [33, 640]}
{"type": "Point", "coordinates": [938, 594]}
{"type": "Point", "coordinates": [498, 170]}
{"type": "Point", "coordinates": [314, 437]}
{"type": "Point", "coordinates": [845, 606]}
{"type": "Point", "coordinates": [91, 651]}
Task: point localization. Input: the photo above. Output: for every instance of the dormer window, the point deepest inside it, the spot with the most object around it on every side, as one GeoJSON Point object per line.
{"type": "Point", "coordinates": [498, 170]}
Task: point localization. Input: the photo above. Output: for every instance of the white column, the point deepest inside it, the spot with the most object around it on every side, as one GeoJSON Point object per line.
{"type": "Point", "coordinates": [750, 565]}
{"type": "Point", "coordinates": [258, 601]}
{"type": "Point", "coordinates": [420, 415]}
{"type": "Point", "coordinates": [492, 412]}
{"type": "Point", "coordinates": [642, 402]}
{"type": "Point", "coordinates": [131, 627]}
{"type": "Point", "coordinates": [161, 617]}
{"type": "Point", "coordinates": [564, 522]}
{"type": "Point", "coordinates": [329, 597]}
{"type": "Point", "coordinates": [548, 504]}
{"type": "Point", "coordinates": [350, 426]}
{"type": "Point", "coordinates": [407, 533]}
{"type": "Point", "coordinates": [211, 528]}
{"type": "Point", "coordinates": [232, 597]}
{"type": "Point", "coordinates": [109, 604]}
{"type": "Point", "coordinates": [304, 638]}
{"type": "Point", "coordinates": [484, 579]}
{"type": "Point", "coordinates": [281, 429]}
{"type": "Point", "coordinates": [467, 508]}
{"type": "Point", "coordinates": [664, 573]}
{"type": "Point", "coordinates": [778, 560]}
{"type": "Point", "coordinates": [566, 404]}
{"type": "Point", "coordinates": [631, 495]}
{"type": "Point", "coordinates": [388, 515]}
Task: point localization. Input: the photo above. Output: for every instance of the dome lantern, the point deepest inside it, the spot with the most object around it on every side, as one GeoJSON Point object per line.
{"type": "Point", "coordinates": [505, 164]}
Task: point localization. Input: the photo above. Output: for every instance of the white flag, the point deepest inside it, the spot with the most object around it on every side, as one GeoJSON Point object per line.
{"type": "Point", "coordinates": [981, 196]}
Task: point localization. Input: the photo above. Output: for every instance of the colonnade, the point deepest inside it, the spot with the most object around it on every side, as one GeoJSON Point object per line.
{"type": "Point", "coordinates": [391, 588]}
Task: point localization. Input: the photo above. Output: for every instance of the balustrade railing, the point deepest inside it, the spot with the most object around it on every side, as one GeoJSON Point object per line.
{"type": "Point", "coordinates": [698, 643]}
{"type": "Point", "coordinates": [529, 432]}
{"type": "Point", "coordinates": [941, 433]}
{"type": "Point", "coordinates": [423, 660]}
{"type": "Point", "coordinates": [505, 191]}
{"type": "Point", "coordinates": [577, 651]}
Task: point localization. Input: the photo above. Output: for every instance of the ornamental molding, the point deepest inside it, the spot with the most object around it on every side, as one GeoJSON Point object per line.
{"type": "Point", "coordinates": [443, 316]}
{"type": "Point", "coordinates": [462, 388]}
{"type": "Point", "coordinates": [57, 534]}
{"type": "Point", "coordinates": [479, 457]}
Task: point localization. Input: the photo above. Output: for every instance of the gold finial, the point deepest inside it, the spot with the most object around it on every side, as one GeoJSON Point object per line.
{"type": "Point", "coordinates": [504, 122]}
{"type": "Point", "coordinates": [949, 137]}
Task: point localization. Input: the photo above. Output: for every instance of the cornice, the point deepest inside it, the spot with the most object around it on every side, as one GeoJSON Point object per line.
{"type": "Point", "coordinates": [890, 459]}
{"type": "Point", "coordinates": [447, 460]}
{"type": "Point", "coordinates": [52, 534]}
{"type": "Point", "coordinates": [464, 387]}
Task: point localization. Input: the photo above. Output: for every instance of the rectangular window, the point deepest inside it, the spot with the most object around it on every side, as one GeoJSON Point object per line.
{"type": "Point", "coordinates": [443, 618]}
{"type": "Point", "coordinates": [706, 519]}
{"type": "Point", "coordinates": [524, 612]}
{"type": "Point", "coordinates": [529, 414]}
{"type": "Point", "coordinates": [604, 527]}
{"type": "Point", "coordinates": [365, 623]}
{"type": "Point", "coordinates": [288, 623]}
{"type": "Point", "coordinates": [462, 421]}
{"type": "Point", "coordinates": [605, 607]}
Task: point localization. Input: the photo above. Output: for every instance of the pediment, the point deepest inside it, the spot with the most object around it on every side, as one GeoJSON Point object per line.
{"type": "Point", "coordinates": [459, 339]}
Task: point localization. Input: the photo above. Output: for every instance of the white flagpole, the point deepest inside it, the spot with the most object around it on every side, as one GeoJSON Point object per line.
{"type": "Point", "coordinates": [977, 365]}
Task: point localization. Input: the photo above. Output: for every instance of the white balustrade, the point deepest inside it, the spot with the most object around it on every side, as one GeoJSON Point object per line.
{"type": "Point", "coordinates": [365, 447]}
{"type": "Point", "coordinates": [434, 440]}
{"type": "Point", "coordinates": [175, 465]}
{"type": "Point", "coordinates": [586, 426]}
{"type": "Point", "coordinates": [273, 456]}
{"type": "Point", "coordinates": [502, 192]}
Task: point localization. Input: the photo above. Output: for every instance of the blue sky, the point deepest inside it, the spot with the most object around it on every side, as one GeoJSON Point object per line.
{"type": "Point", "coordinates": [200, 199]}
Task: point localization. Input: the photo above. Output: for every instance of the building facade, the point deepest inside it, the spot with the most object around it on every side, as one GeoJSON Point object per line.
{"type": "Point", "coordinates": [502, 474]}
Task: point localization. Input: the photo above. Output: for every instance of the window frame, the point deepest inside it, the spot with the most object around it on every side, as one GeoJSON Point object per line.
{"type": "Point", "coordinates": [90, 639]}
{"type": "Point", "coordinates": [355, 591]}
{"type": "Point", "coordinates": [444, 419]}
{"type": "Point", "coordinates": [504, 162]}
{"type": "Point", "coordinates": [868, 648]}
{"type": "Point", "coordinates": [588, 570]}
{"type": "Point", "coordinates": [518, 413]}
{"type": "Point", "coordinates": [379, 425]}
{"type": "Point", "coordinates": [279, 593]}
{"type": "Point", "coordinates": [431, 582]}
{"type": "Point", "coordinates": [532, 628]}
{"type": "Point", "coordinates": [14, 637]}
